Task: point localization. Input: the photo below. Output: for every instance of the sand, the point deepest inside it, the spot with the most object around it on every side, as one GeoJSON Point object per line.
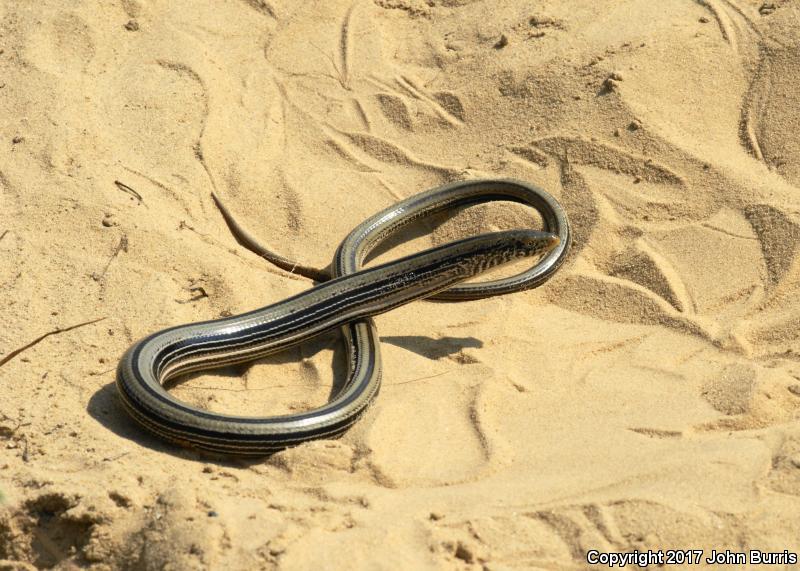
{"type": "Point", "coordinates": [646, 397]}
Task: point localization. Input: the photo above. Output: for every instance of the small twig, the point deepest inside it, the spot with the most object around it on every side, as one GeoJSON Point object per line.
{"type": "Point", "coordinates": [123, 245]}
{"type": "Point", "coordinates": [125, 188]}
{"type": "Point", "coordinates": [339, 76]}
{"type": "Point", "coordinates": [263, 6]}
{"type": "Point", "coordinates": [184, 225]}
{"type": "Point", "coordinates": [247, 240]}
{"type": "Point", "coordinates": [101, 373]}
{"type": "Point", "coordinates": [41, 338]}
{"type": "Point", "coordinates": [3, 235]}
{"type": "Point", "coordinates": [419, 379]}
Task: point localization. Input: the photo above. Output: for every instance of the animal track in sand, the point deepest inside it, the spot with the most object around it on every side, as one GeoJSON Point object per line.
{"type": "Point", "coordinates": [386, 152]}
{"type": "Point", "coordinates": [531, 156]}
{"type": "Point", "coordinates": [735, 26]}
{"type": "Point", "coordinates": [559, 537]}
{"type": "Point", "coordinates": [778, 235]}
{"type": "Point", "coordinates": [770, 57]}
{"type": "Point", "coordinates": [407, 104]}
{"type": "Point", "coordinates": [395, 110]}
{"type": "Point", "coordinates": [749, 397]}
{"type": "Point", "coordinates": [643, 264]}
{"type": "Point", "coordinates": [660, 279]}
{"type": "Point", "coordinates": [62, 45]}
{"type": "Point", "coordinates": [586, 152]}
{"type": "Point", "coordinates": [765, 126]}
{"type": "Point", "coordinates": [149, 122]}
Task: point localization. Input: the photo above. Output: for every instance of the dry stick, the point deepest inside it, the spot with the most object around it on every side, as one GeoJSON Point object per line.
{"type": "Point", "coordinates": [418, 379]}
{"type": "Point", "coordinates": [339, 77]}
{"type": "Point", "coordinates": [125, 188]}
{"type": "Point", "coordinates": [101, 373]}
{"type": "Point", "coordinates": [344, 47]}
{"type": "Point", "coordinates": [123, 245]}
{"type": "Point", "coordinates": [3, 235]}
{"type": "Point", "coordinates": [41, 338]}
{"type": "Point", "coordinates": [247, 240]}
{"type": "Point", "coordinates": [263, 6]}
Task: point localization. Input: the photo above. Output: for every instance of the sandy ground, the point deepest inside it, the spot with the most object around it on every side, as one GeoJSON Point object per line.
{"type": "Point", "coordinates": [645, 398]}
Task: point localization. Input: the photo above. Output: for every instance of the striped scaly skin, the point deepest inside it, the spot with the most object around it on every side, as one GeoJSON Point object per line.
{"type": "Point", "coordinates": [348, 301]}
